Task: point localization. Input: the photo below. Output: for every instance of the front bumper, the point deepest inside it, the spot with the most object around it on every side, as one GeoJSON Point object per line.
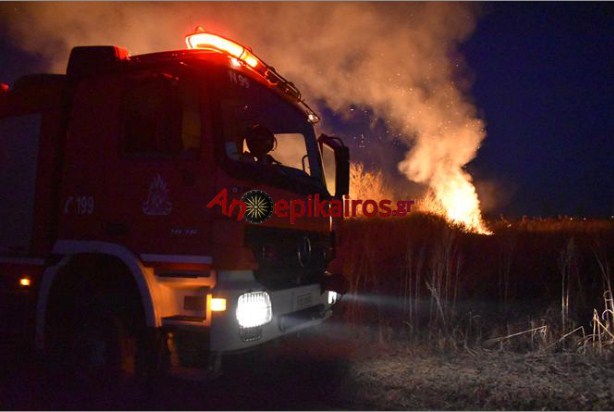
{"type": "Point", "coordinates": [293, 309]}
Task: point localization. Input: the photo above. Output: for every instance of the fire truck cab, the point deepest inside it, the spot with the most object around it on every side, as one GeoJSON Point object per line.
{"type": "Point", "coordinates": [105, 177]}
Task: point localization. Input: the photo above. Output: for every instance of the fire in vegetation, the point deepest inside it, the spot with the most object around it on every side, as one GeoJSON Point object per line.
{"type": "Point", "coordinates": [456, 200]}
{"type": "Point", "coordinates": [366, 184]}
{"type": "Point", "coordinates": [458, 203]}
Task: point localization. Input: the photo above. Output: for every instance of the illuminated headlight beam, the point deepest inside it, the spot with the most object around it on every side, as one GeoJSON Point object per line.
{"type": "Point", "coordinates": [254, 309]}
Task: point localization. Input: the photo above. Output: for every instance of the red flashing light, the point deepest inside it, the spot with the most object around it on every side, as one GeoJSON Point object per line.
{"type": "Point", "coordinates": [202, 40]}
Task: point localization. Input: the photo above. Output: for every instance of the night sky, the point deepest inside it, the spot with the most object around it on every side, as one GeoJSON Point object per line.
{"type": "Point", "coordinates": [543, 82]}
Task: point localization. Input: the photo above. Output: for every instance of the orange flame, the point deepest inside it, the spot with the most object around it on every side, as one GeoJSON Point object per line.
{"type": "Point", "coordinates": [455, 198]}
{"type": "Point", "coordinates": [366, 184]}
{"type": "Point", "coordinates": [457, 202]}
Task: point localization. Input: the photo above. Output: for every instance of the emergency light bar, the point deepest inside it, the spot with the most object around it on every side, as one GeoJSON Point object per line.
{"type": "Point", "coordinates": [202, 40]}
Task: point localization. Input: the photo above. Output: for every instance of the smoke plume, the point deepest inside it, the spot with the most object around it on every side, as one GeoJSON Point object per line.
{"type": "Point", "coordinates": [400, 60]}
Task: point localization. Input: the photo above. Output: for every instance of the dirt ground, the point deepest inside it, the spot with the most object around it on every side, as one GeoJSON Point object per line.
{"type": "Point", "coordinates": [332, 368]}
{"type": "Point", "coordinates": [482, 380]}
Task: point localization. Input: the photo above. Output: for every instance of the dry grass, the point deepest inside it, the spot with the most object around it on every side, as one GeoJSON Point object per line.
{"type": "Point", "coordinates": [368, 184]}
{"type": "Point", "coordinates": [531, 286]}
{"type": "Point", "coordinates": [483, 380]}
{"type": "Point", "coordinates": [560, 224]}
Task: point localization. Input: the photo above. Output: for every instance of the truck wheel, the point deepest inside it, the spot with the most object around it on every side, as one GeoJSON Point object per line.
{"type": "Point", "coordinates": [152, 358]}
{"type": "Point", "coordinates": [99, 345]}
{"type": "Point", "coordinates": [113, 352]}
{"type": "Point", "coordinates": [102, 340]}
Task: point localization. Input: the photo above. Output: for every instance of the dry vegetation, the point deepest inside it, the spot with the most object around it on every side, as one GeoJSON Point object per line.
{"type": "Point", "coordinates": [484, 380]}
{"type": "Point", "coordinates": [533, 285]}
{"type": "Point", "coordinates": [368, 184]}
{"type": "Point", "coordinates": [522, 319]}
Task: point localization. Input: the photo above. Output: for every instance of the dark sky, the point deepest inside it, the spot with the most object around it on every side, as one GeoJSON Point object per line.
{"type": "Point", "coordinates": [544, 84]}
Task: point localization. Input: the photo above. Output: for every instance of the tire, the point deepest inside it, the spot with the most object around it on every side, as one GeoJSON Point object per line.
{"type": "Point", "coordinates": [96, 346]}
{"type": "Point", "coordinates": [106, 346]}
{"type": "Point", "coordinates": [101, 339]}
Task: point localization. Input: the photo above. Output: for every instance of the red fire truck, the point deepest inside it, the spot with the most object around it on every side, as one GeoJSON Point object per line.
{"type": "Point", "coordinates": [110, 258]}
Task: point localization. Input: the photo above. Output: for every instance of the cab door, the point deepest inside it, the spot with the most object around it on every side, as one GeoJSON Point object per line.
{"type": "Point", "coordinates": [161, 179]}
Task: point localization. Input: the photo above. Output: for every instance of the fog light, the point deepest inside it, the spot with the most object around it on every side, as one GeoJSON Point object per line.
{"type": "Point", "coordinates": [254, 309]}
{"type": "Point", "coordinates": [218, 304]}
{"type": "Point", "coordinates": [332, 297]}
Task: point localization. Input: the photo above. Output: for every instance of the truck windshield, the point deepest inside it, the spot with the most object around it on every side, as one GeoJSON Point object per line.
{"type": "Point", "coordinates": [244, 104]}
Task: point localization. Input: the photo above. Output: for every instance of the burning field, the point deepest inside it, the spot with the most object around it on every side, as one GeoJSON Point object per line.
{"type": "Point", "coordinates": [447, 308]}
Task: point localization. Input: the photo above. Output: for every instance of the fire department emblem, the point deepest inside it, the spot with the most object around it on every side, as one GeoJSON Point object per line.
{"type": "Point", "coordinates": [157, 203]}
{"type": "Point", "coordinates": [258, 206]}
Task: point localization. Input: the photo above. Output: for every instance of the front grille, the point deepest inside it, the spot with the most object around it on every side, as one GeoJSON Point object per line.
{"type": "Point", "coordinates": [280, 265]}
{"type": "Point", "coordinates": [251, 334]}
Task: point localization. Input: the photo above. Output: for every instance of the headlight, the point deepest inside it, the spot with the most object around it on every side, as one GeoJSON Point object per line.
{"type": "Point", "coordinates": [254, 309]}
{"type": "Point", "coordinates": [332, 297]}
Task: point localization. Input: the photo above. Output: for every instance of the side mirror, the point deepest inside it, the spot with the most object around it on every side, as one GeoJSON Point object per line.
{"type": "Point", "coordinates": [336, 162]}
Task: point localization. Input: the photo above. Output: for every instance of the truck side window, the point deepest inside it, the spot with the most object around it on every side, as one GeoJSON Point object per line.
{"type": "Point", "coordinates": [161, 119]}
{"type": "Point", "coordinates": [190, 119]}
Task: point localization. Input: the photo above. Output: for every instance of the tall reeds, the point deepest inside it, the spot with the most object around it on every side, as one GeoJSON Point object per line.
{"type": "Point", "coordinates": [422, 280]}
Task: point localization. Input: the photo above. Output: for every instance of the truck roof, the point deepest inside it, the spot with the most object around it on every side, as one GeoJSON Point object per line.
{"type": "Point", "coordinates": [96, 60]}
